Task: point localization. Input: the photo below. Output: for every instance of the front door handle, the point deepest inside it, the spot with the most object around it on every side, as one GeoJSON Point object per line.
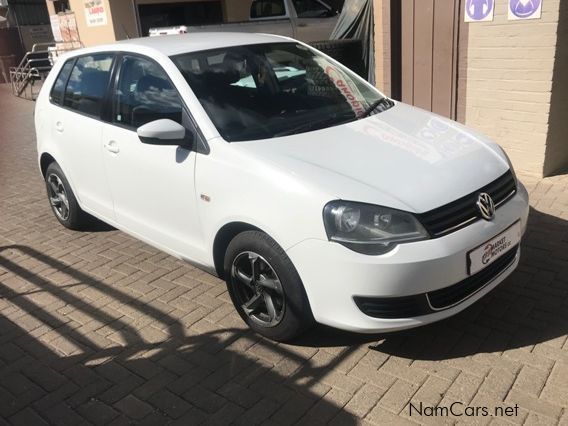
{"type": "Point", "coordinates": [112, 146]}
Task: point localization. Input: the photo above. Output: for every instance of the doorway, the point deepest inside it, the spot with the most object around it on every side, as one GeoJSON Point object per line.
{"type": "Point", "coordinates": [424, 40]}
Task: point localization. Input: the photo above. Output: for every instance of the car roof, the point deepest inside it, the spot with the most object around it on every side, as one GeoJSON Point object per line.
{"type": "Point", "coordinates": [184, 43]}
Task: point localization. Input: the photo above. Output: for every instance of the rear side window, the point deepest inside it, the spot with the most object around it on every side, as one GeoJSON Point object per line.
{"type": "Point", "coordinates": [87, 84]}
{"type": "Point", "coordinates": [267, 8]}
{"type": "Point", "coordinates": [58, 88]}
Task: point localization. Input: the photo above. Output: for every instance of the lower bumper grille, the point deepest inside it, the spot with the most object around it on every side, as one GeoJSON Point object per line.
{"type": "Point", "coordinates": [454, 294]}
{"type": "Point", "coordinates": [427, 303]}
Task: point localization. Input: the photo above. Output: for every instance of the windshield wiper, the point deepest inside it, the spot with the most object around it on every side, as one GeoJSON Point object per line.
{"type": "Point", "coordinates": [318, 124]}
{"type": "Point", "coordinates": [382, 105]}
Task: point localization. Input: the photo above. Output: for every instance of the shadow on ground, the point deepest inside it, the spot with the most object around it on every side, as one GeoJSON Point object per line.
{"type": "Point", "coordinates": [192, 377]}
{"type": "Point", "coordinates": [188, 377]}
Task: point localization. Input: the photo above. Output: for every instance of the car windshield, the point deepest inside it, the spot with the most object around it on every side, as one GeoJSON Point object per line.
{"type": "Point", "coordinates": [268, 90]}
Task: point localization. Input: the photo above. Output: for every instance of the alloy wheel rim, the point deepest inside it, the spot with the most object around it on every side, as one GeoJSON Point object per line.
{"type": "Point", "coordinates": [258, 289]}
{"type": "Point", "coordinates": [58, 197]}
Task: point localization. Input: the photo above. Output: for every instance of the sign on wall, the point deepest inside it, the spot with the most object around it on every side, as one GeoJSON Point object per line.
{"type": "Point", "coordinates": [95, 13]}
{"type": "Point", "coordinates": [55, 28]}
{"type": "Point", "coordinates": [479, 10]}
{"type": "Point", "coordinates": [524, 9]}
{"type": "Point", "coordinates": [68, 27]}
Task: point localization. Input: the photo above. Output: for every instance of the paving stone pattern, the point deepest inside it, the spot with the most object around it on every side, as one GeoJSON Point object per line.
{"type": "Point", "coordinates": [99, 328]}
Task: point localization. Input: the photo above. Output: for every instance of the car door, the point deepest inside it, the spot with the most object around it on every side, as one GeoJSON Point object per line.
{"type": "Point", "coordinates": [77, 129]}
{"type": "Point", "coordinates": [152, 186]}
{"type": "Point", "coordinates": [314, 20]}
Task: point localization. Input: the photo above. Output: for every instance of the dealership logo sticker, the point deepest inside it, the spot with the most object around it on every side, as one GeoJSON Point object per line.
{"type": "Point", "coordinates": [479, 10]}
{"type": "Point", "coordinates": [524, 9]}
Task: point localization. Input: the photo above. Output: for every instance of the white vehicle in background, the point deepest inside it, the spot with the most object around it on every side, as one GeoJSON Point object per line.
{"type": "Point", "coordinates": [305, 20]}
{"type": "Point", "coordinates": [180, 29]}
{"type": "Point", "coordinates": [271, 165]}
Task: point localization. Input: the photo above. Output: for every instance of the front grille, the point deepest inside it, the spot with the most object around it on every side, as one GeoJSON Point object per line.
{"type": "Point", "coordinates": [427, 303]}
{"type": "Point", "coordinates": [462, 212]}
{"type": "Point", "coordinates": [449, 296]}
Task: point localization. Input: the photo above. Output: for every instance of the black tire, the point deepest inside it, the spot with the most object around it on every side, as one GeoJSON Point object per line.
{"type": "Point", "coordinates": [347, 51]}
{"type": "Point", "coordinates": [76, 218]}
{"type": "Point", "coordinates": [296, 315]}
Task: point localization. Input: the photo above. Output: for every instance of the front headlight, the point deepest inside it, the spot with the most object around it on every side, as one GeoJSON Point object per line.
{"type": "Point", "coordinates": [370, 229]}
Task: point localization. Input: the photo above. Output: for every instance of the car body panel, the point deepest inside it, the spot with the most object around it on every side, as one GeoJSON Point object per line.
{"type": "Point", "coordinates": [413, 160]}
{"type": "Point", "coordinates": [142, 203]}
{"type": "Point", "coordinates": [338, 273]}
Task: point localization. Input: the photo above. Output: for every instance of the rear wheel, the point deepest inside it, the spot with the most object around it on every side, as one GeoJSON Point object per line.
{"type": "Point", "coordinates": [265, 287]}
{"type": "Point", "coordinates": [62, 200]}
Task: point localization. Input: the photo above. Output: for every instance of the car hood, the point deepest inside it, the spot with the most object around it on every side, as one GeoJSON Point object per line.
{"type": "Point", "coordinates": [404, 158]}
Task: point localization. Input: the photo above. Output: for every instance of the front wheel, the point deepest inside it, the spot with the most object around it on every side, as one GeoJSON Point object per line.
{"type": "Point", "coordinates": [265, 287]}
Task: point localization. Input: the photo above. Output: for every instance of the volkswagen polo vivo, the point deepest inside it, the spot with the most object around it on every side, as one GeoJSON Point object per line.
{"type": "Point", "coordinates": [269, 164]}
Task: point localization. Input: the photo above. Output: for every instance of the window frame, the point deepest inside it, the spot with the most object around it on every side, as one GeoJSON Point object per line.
{"type": "Point", "coordinates": [61, 104]}
{"type": "Point", "coordinates": [112, 95]}
{"type": "Point", "coordinates": [274, 17]}
{"type": "Point", "coordinates": [201, 145]}
{"type": "Point", "coordinates": [334, 62]}
{"type": "Point", "coordinates": [68, 61]}
{"type": "Point", "coordinates": [324, 5]}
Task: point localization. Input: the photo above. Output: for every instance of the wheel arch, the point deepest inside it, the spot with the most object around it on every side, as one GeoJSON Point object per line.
{"type": "Point", "coordinates": [44, 161]}
{"type": "Point", "coordinates": [47, 158]}
{"type": "Point", "coordinates": [222, 240]}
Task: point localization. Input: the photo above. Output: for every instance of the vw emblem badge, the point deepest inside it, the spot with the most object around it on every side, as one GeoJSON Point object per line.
{"type": "Point", "coordinates": [486, 206]}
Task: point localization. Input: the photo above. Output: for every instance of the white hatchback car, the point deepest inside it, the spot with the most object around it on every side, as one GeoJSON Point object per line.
{"type": "Point", "coordinates": [271, 165]}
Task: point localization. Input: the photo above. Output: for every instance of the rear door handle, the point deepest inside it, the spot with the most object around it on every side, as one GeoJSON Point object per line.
{"type": "Point", "coordinates": [59, 127]}
{"type": "Point", "coordinates": [112, 146]}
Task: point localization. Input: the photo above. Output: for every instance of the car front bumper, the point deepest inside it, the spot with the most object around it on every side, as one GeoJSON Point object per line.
{"type": "Point", "coordinates": [335, 277]}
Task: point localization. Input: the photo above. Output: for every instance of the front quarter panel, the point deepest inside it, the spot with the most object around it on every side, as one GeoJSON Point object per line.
{"type": "Point", "coordinates": [234, 186]}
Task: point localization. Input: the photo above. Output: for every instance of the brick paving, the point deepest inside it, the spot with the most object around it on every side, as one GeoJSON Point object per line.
{"type": "Point", "coordinates": [99, 328]}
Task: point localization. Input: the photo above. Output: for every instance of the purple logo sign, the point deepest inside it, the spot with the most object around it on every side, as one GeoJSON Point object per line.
{"type": "Point", "coordinates": [478, 10]}
{"type": "Point", "coordinates": [523, 9]}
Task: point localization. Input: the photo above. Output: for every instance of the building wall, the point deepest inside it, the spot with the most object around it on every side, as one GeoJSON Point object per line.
{"type": "Point", "coordinates": [381, 12]}
{"type": "Point", "coordinates": [124, 19]}
{"type": "Point", "coordinates": [91, 36]}
{"type": "Point", "coordinates": [505, 78]}
{"type": "Point", "coordinates": [556, 157]}
{"type": "Point", "coordinates": [236, 10]}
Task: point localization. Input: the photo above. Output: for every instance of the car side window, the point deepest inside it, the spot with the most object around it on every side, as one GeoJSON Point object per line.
{"type": "Point", "coordinates": [56, 94]}
{"type": "Point", "coordinates": [310, 9]}
{"type": "Point", "coordinates": [88, 83]}
{"type": "Point", "coordinates": [144, 93]}
{"type": "Point", "coordinates": [267, 8]}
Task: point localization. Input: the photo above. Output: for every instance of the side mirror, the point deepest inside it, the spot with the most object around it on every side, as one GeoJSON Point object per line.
{"type": "Point", "coordinates": [165, 132]}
